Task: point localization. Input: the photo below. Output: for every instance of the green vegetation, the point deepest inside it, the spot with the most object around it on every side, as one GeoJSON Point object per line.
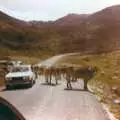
{"type": "Point", "coordinates": [106, 83]}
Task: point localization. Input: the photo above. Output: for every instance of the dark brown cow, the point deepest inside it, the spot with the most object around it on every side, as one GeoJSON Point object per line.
{"type": "Point", "coordinates": [69, 75]}
{"type": "Point", "coordinates": [35, 70]}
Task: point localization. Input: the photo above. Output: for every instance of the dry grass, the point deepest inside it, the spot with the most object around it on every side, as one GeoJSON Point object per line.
{"type": "Point", "coordinates": [2, 83]}
{"type": "Point", "coordinates": [106, 82]}
{"type": "Point", "coordinates": [26, 60]}
{"type": "Point", "coordinates": [29, 59]}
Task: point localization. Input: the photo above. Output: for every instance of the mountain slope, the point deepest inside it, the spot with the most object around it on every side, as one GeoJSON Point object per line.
{"type": "Point", "coordinates": [72, 19]}
{"type": "Point", "coordinates": [97, 32]}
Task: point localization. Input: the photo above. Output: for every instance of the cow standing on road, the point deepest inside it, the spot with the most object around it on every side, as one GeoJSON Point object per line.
{"type": "Point", "coordinates": [86, 73]}
{"type": "Point", "coordinates": [69, 75]}
{"type": "Point", "coordinates": [35, 70]}
{"type": "Point", "coordinates": [50, 74]}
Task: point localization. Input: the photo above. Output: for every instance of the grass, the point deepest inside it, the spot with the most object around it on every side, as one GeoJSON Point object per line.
{"type": "Point", "coordinates": [2, 83]}
{"type": "Point", "coordinates": [31, 59]}
{"type": "Point", "coordinates": [106, 82]}
{"type": "Point", "coordinates": [26, 59]}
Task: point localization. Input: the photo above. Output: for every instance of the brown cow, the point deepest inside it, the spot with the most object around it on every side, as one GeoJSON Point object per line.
{"type": "Point", "coordinates": [69, 75]}
{"type": "Point", "coordinates": [86, 73]}
{"type": "Point", "coordinates": [51, 73]}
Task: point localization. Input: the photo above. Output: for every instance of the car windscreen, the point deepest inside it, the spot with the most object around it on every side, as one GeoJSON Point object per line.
{"type": "Point", "coordinates": [20, 69]}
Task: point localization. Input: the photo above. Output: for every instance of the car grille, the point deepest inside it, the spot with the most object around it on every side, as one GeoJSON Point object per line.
{"type": "Point", "coordinates": [17, 78]}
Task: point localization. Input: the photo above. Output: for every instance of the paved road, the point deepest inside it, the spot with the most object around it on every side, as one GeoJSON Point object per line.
{"type": "Point", "coordinates": [51, 61]}
{"type": "Point", "coordinates": [43, 102]}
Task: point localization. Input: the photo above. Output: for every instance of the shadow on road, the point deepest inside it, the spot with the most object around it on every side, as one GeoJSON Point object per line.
{"type": "Point", "coordinates": [74, 89]}
{"type": "Point", "coordinates": [52, 84]}
{"type": "Point", "coordinates": [19, 87]}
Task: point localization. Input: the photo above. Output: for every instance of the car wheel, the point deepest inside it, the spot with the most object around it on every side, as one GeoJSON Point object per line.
{"type": "Point", "coordinates": [31, 84]}
{"type": "Point", "coordinates": [8, 87]}
{"type": "Point", "coordinates": [34, 81]}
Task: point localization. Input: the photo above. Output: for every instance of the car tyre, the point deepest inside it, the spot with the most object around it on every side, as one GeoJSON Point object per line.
{"type": "Point", "coordinates": [34, 81]}
{"type": "Point", "coordinates": [8, 87]}
{"type": "Point", "coordinates": [31, 84]}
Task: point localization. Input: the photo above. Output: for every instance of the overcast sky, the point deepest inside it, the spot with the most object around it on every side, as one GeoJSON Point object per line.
{"type": "Point", "coordinates": [51, 9]}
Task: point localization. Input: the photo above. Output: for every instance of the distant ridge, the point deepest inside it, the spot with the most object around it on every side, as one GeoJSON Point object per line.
{"type": "Point", "coordinates": [97, 32]}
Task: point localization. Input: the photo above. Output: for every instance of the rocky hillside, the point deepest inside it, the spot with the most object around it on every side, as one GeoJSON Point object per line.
{"type": "Point", "coordinates": [97, 32]}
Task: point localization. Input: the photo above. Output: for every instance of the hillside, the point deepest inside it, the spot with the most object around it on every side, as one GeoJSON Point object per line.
{"type": "Point", "coordinates": [97, 32]}
{"type": "Point", "coordinates": [71, 20]}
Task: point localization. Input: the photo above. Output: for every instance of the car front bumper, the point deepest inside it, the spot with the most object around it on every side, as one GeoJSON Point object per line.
{"type": "Point", "coordinates": [16, 83]}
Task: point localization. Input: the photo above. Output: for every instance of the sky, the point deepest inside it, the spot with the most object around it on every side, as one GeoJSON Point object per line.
{"type": "Point", "coordinates": [51, 9]}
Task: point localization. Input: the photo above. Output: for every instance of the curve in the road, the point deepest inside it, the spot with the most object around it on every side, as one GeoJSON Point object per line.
{"type": "Point", "coordinates": [42, 102]}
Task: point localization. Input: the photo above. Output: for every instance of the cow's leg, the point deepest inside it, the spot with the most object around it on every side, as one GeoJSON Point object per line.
{"type": "Point", "coordinates": [85, 84]}
{"type": "Point", "coordinates": [74, 78]}
{"type": "Point", "coordinates": [70, 86]}
{"type": "Point", "coordinates": [56, 79]}
{"type": "Point", "coordinates": [67, 85]}
{"type": "Point", "coordinates": [50, 79]}
{"type": "Point", "coordinates": [46, 78]}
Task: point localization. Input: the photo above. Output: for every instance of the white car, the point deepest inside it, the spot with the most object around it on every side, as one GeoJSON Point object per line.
{"type": "Point", "coordinates": [20, 75]}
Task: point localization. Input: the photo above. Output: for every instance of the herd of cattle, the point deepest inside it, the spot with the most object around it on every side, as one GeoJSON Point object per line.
{"type": "Point", "coordinates": [69, 73]}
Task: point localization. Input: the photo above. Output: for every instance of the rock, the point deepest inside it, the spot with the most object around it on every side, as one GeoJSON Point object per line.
{"type": "Point", "coordinates": [117, 101]}
{"type": "Point", "coordinates": [114, 87]}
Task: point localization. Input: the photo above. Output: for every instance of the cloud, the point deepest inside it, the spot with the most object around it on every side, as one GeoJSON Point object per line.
{"type": "Point", "coordinates": [51, 9]}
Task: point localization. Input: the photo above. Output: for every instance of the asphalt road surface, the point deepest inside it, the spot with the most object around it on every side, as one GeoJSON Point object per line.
{"type": "Point", "coordinates": [45, 102]}
{"type": "Point", "coordinates": [51, 61]}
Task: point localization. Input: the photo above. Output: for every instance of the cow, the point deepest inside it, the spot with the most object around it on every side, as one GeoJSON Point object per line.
{"type": "Point", "coordinates": [86, 73]}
